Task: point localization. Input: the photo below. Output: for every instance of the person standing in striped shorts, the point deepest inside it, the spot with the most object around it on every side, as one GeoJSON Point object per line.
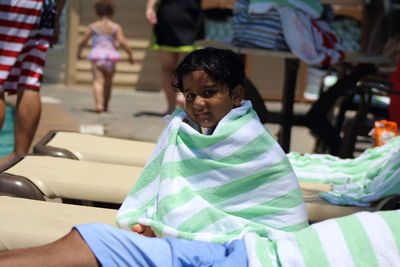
{"type": "Point", "coordinates": [27, 29]}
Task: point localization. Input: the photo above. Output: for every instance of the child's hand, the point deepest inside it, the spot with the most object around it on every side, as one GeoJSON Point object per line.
{"type": "Point", "coordinates": [143, 230]}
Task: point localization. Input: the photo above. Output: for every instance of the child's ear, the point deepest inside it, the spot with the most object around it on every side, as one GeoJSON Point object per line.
{"type": "Point", "coordinates": [237, 95]}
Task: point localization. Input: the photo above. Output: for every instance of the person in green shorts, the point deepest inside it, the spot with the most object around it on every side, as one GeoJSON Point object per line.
{"type": "Point", "coordinates": [177, 24]}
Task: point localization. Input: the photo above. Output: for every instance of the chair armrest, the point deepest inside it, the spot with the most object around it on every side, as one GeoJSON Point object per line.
{"type": "Point", "coordinates": [376, 85]}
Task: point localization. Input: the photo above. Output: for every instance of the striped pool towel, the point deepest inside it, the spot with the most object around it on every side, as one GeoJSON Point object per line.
{"type": "Point", "coordinates": [362, 239]}
{"type": "Point", "coordinates": [310, 7]}
{"type": "Point", "coordinates": [286, 25]}
{"type": "Point", "coordinates": [257, 30]}
{"type": "Point", "coordinates": [216, 187]}
{"type": "Point", "coordinates": [371, 176]}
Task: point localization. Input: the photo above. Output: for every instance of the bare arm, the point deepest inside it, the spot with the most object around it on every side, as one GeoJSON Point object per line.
{"type": "Point", "coordinates": [85, 39]}
{"type": "Point", "coordinates": [124, 44]}
{"type": "Point", "coordinates": [150, 12]}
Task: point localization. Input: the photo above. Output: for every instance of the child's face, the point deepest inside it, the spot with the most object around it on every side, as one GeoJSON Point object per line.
{"type": "Point", "coordinates": [207, 102]}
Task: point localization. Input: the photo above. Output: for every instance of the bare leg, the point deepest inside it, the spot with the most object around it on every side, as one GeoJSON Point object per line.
{"type": "Point", "coordinates": [27, 116]}
{"type": "Point", "coordinates": [71, 250]}
{"type": "Point", "coordinates": [108, 79]}
{"type": "Point", "coordinates": [98, 87]}
{"type": "Point", "coordinates": [168, 61]}
{"type": "Point", "coordinates": [2, 109]}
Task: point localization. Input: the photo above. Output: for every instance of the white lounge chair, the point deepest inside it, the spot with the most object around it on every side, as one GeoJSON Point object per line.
{"type": "Point", "coordinates": [91, 147]}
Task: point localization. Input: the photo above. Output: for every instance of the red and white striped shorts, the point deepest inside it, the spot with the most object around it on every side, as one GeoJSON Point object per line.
{"type": "Point", "coordinates": [22, 46]}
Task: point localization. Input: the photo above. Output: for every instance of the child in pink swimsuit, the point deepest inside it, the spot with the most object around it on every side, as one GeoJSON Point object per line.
{"type": "Point", "coordinates": [105, 35]}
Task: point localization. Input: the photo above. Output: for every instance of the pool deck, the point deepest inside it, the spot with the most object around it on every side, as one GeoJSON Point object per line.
{"type": "Point", "coordinates": [133, 115]}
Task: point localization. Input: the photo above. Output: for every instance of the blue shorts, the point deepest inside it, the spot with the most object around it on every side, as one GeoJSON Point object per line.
{"type": "Point", "coordinates": [116, 247]}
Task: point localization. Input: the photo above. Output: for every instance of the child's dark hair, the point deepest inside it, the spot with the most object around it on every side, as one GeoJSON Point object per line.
{"type": "Point", "coordinates": [104, 8]}
{"type": "Point", "coordinates": [222, 65]}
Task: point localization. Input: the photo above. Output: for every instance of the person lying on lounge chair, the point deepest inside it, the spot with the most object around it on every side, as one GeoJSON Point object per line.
{"type": "Point", "coordinates": [361, 239]}
{"type": "Point", "coordinates": [216, 173]}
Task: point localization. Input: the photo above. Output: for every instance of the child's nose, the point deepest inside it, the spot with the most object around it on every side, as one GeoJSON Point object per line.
{"type": "Point", "coordinates": [199, 101]}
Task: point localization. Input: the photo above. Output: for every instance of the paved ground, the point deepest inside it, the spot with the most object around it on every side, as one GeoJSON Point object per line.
{"type": "Point", "coordinates": [132, 115]}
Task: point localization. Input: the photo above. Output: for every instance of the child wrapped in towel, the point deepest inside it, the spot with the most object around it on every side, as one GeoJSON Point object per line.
{"type": "Point", "coordinates": [216, 172]}
{"type": "Point", "coordinates": [231, 184]}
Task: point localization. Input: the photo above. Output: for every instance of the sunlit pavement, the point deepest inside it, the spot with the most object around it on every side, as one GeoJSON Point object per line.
{"type": "Point", "coordinates": [133, 114]}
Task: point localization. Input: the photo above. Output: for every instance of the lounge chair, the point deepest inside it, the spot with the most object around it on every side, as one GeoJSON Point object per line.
{"type": "Point", "coordinates": [69, 179]}
{"type": "Point", "coordinates": [90, 147]}
{"type": "Point", "coordinates": [110, 183]}
{"type": "Point", "coordinates": [28, 223]}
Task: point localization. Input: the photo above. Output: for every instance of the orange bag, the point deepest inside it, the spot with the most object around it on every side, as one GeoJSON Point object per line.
{"type": "Point", "coordinates": [384, 131]}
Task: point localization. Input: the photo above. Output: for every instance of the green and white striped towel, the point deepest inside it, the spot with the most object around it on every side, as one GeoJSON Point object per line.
{"type": "Point", "coordinates": [362, 239]}
{"type": "Point", "coordinates": [311, 7]}
{"type": "Point", "coordinates": [371, 176]}
{"type": "Point", "coordinates": [216, 187]}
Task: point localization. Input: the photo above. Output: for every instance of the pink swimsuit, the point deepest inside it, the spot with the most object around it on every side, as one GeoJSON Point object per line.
{"type": "Point", "coordinates": [103, 53]}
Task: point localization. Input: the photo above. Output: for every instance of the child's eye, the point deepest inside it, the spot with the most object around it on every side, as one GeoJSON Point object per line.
{"type": "Point", "coordinates": [209, 93]}
{"type": "Point", "coordinates": [190, 96]}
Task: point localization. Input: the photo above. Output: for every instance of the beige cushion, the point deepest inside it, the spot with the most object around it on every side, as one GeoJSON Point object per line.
{"type": "Point", "coordinates": [91, 147]}
{"type": "Point", "coordinates": [319, 209]}
{"type": "Point", "coordinates": [27, 223]}
{"type": "Point", "coordinates": [83, 180]}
